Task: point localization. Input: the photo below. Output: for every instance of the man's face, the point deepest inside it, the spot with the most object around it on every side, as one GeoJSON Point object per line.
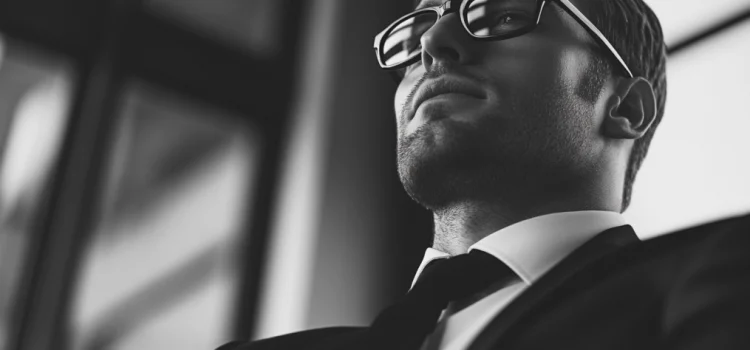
{"type": "Point", "coordinates": [526, 114]}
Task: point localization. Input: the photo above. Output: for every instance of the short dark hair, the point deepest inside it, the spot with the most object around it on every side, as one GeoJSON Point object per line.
{"type": "Point", "coordinates": [635, 31]}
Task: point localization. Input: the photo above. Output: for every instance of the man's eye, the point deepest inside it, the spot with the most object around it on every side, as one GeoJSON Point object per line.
{"type": "Point", "coordinates": [504, 19]}
{"type": "Point", "coordinates": [510, 20]}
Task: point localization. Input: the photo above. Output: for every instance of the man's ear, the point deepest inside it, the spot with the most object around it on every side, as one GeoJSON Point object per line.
{"type": "Point", "coordinates": [631, 110]}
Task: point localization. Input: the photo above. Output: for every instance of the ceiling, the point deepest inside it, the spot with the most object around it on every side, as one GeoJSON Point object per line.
{"type": "Point", "coordinates": [683, 18]}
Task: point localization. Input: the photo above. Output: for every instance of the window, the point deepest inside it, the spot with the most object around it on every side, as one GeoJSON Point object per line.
{"type": "Point", "coordinates": [160, 271]}
{"type": "Point", "coordinates": [35, 94]}
{"type": "Point", "coordinates": [174, 111]}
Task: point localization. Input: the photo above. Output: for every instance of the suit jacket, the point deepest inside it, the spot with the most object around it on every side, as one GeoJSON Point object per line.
{"type": "Point", "coordinates": [687, 290]}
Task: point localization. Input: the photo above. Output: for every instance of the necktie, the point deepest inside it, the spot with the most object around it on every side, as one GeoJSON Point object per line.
{"type": "Point", "coordinates": [405, 325]}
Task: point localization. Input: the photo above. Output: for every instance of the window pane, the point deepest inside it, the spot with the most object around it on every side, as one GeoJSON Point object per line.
{"type": "Point", "coordinates": [683, 18]}
{"type": "Point", "coordinates": [159, 272]}
{"type": "Point", "coordinates": [35, 93]}
{"type": "Point", "coordinates": [252, 25]}
{"type": "Point", "coordinates": [698, 164]}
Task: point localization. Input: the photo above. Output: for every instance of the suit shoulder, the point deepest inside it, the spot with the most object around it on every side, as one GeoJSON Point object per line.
{"type": "Point", "coordinates": [696, 237]}
{"type": "Point", "coordinates": [665, 257]}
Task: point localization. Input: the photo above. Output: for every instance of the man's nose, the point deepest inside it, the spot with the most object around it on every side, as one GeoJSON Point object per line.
{"type": "Point", "coordinates": [446, 42]}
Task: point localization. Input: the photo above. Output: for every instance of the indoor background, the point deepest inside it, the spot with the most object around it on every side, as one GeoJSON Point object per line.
{"type": "Point", "coordinates": [175, 174]}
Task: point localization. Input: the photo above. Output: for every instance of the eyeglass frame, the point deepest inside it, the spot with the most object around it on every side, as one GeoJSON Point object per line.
{"type": "Point", "coordinates": [447, 8]}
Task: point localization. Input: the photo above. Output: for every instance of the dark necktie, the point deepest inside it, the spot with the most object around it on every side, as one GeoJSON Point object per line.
{"type": "Point", "coordinates": [406, 324]}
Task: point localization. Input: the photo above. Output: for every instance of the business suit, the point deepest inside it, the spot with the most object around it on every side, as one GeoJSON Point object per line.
{"type": "Point", "coordinates": [687, 290]}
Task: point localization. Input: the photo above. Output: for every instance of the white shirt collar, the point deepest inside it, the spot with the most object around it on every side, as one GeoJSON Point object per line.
{"type": "Point", "coordinates": [532, 247]}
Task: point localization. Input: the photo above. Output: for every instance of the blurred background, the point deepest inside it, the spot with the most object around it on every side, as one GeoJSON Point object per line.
{"type": "Point", "coordinates": [175, 174]}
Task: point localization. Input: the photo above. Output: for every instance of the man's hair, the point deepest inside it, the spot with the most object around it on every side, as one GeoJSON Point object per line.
{"type": "Point", "coordinates": [635, 32]}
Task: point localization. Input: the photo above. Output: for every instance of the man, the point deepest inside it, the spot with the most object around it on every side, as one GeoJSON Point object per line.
{"type": "Point", "coordinates": [522, 125]}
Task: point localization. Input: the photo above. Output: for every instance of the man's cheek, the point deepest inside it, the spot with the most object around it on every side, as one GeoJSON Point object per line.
{"type": "Point", "coordinates": [399, 100]}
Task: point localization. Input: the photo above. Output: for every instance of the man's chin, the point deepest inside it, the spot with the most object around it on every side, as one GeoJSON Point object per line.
{"type": "Point", "coordinates": [433, 163]}
{"type": "Point", "coordinates": [424, 188]}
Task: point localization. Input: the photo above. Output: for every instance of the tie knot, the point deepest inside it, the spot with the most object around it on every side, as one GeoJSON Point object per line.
{"type": "Point", "coordinates": [441, 282]}
{"type": "Point", "coordinates": [460, 276]}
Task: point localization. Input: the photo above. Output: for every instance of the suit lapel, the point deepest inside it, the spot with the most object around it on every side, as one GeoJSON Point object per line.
{"type": "Point", "coordinates": [543, 290]}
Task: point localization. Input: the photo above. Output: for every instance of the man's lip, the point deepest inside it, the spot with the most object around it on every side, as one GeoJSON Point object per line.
{"type": "Point", "coordinates": [439, 87]}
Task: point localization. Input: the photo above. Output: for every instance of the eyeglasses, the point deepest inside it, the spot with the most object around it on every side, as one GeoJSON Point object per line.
{"type": "Point", "coordinates": [399, 45]}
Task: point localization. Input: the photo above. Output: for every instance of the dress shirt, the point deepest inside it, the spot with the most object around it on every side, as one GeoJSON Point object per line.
{"type": "Point", "coordinates": [530, 248]}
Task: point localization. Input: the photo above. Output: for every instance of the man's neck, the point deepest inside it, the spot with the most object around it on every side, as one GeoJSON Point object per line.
{"type": "Point", "coordinates": [461, 225]}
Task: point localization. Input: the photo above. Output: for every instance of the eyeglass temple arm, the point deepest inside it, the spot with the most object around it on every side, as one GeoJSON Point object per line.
{"type": "Point", "coordinates": [595, 31]}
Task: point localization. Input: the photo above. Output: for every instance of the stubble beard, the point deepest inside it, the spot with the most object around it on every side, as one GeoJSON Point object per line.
{"type": "Point", "coordinates": [459, 162]}
{"type": "Point", "coordinates": [443, 164]}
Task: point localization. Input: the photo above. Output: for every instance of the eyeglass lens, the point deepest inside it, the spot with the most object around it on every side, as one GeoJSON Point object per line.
{"type": "Point", "coordinates": [484, 19]}
{"type": "Point", "coordinates": [404, 40]}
